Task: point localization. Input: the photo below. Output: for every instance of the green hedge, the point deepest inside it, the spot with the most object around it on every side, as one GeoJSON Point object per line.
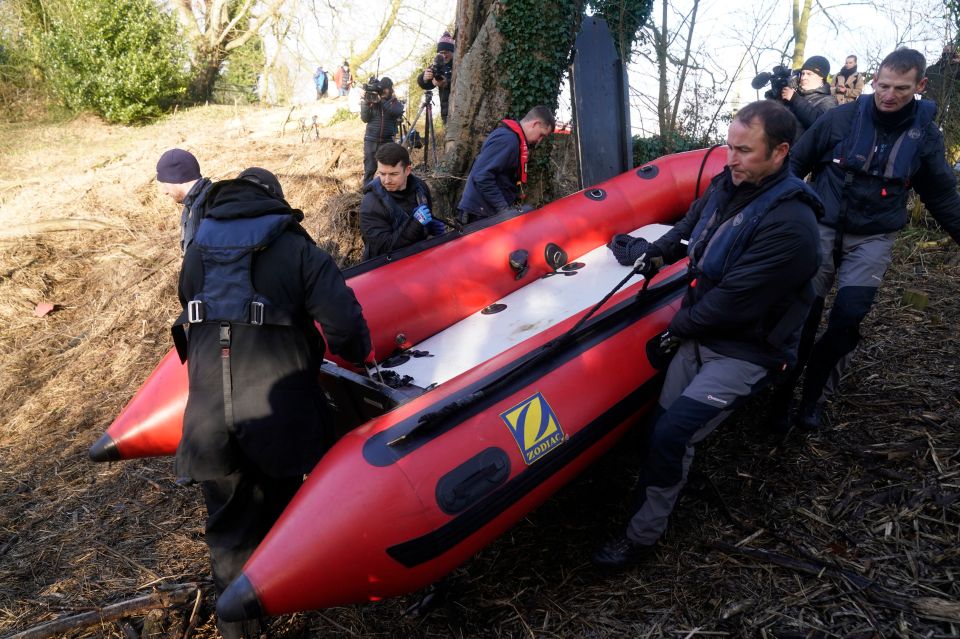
{"type": "Point", "coordinates": [123, 60]}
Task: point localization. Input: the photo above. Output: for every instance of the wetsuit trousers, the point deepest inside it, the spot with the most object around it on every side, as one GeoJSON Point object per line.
{"type": "Point", "coordinates": [701, 389]}
{"type": "Point", "coordinates": [241, 509]}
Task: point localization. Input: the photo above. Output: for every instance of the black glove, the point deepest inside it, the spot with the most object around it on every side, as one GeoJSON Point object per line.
{"type": "Point", "coordinates": [650, 261]}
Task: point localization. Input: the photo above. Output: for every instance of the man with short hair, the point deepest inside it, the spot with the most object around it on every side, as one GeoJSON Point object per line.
{"type": "Point", "coordinates": [865, 157]}
{"type": "Point", "coordinates": [382, 112]}
{"type": "Point", "coordinates": [396, 207]}
{"type": "Point", "coordinates": [813, 98]}
{"type": "Point", "coordinates": [848, 83]}
{"type": "Point", "coordinates": [499, 173]}
{"type": "Point", "coordinates": [178, 174]}
{"type": "Point", "coordinates": [752, 249]}
{"type": "Point", "coordinates": [439, 74]}
{"type": "Point", "coordinates": [252, 286]}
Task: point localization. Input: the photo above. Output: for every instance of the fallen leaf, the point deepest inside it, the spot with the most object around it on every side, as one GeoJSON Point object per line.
{"type": "Point", "coordinates": [43, 308]}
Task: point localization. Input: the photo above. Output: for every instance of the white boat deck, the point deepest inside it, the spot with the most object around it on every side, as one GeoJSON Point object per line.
{"type": "Point", "coordinates": [532, 309]}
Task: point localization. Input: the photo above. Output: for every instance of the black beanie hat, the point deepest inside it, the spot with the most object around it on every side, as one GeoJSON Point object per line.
{"type": "Point", "coordinates": [177, 166]}
{"type": "Point", "coordinates": [386, 83]}
{"type": "Point", "coordinates": [264, 178]}
{"type": "Point", "coordinates": [818, 64]}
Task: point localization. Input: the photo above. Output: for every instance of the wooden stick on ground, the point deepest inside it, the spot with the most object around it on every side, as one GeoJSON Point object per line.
{"type": "Point", "coordinates": [130, 607]}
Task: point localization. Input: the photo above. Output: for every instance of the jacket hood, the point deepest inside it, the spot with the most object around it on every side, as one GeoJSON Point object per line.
{"type": "Point", "coordinates": [240, 198]}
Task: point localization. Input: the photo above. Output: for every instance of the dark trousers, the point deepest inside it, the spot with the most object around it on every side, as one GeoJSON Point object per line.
{"type": "Point", "coordinates": [241, 509]}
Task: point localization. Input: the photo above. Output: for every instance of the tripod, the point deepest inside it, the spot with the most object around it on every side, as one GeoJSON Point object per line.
{"type": "Point", "coordinates": [429, 135]}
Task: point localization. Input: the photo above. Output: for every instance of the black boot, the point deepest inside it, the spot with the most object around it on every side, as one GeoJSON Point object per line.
{"type": "Point", "coordinates": [621, 553]}
{"type": "Point", "coordinates": [810, 415]}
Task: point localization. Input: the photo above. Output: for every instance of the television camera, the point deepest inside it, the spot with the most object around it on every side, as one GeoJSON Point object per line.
{"type": "Point", "coordinates": [779, 78]}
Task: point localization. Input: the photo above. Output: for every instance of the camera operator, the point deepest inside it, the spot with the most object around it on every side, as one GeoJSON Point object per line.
{"type": "Point", "coordinates": [381, 110]}
{"type": "Point", "coordinates": [438, 75]}
{"type": "Point", "coordinates": [813, 98]}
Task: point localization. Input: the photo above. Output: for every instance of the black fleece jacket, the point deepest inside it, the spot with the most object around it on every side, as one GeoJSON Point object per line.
{"type": "Point", "coordinates": [736, 315]}
{"type": "Point", "coordinates": [875, 206]}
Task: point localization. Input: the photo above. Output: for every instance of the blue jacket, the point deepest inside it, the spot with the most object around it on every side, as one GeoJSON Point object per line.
{"type": "Point", "coordinates": [492, 183]}
{"type": "Point", "coordinates": [753, 251]}
{"type": "Point", "coordinates": [876, 199]}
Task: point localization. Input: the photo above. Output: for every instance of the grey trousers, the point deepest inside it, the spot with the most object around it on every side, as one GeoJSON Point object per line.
{"type": "Point", "coordinates": [700, 391]}
{"type": "Point", "coordinates": [863, 264]}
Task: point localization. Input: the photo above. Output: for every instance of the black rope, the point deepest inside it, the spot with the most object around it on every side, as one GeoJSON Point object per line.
{"type": "Point", "coordinates": [703, 165]}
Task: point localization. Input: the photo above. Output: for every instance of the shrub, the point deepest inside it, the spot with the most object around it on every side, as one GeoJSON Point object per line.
{"type": "Point", "coordinates": [123, 60]}
{"type": "Point", "coordinates": [647, 149]}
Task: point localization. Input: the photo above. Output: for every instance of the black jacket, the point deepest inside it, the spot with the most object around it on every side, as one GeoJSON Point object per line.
{"type": "Point", "coordinates": [446, 71]}
{"type": "Point", "coordinates": [739, 315]}
{"type": "Point", "coordinates": [875, 205]}
{"type": "Point", "coordinates": [382, 119]}
{"type": "Point", "coordinates": [807, 106]}
{"type": "Point", "coordinates": [382, 231]}
{"type": "Point", "coordinates": [278, 405]}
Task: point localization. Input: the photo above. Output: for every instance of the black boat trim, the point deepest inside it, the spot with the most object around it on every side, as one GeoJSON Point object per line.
{"type": "Point", "coordinates": [389, 446]}
{"type": "Point", "coordinates": [422, 549]}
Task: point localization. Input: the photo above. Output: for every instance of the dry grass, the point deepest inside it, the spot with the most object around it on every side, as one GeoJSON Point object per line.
{"type": "Point", "coordinates": [862, 521]}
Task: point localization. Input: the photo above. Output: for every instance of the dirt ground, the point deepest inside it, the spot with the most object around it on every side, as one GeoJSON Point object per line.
{"type": "Point", "coordinates": [851, 532]}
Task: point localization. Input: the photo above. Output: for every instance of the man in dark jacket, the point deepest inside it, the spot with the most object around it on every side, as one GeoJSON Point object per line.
{"type": "Point", "coordinates": [865, 157]}
{"type": "Point", "coordinates": [752, 249]}
{"type": "Point", "coordinates": [251, 285]}
{"type": "Point", "coordinates": [178, 174]}
{"type": "Point", "coordinates": [439, 75]}
{"type": "Point", "coordinates": [499, 172]}
{"type": "Point", "coordinates": [396, 205]}
{"type": "Point", "coordinates": [382, 114]}
{"type": "Point", "coordinates": [813, 98]}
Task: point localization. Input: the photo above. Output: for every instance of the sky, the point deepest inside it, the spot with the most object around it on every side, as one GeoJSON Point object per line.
{"type": "Point", "coordinates": [750, 35]}
{"type": "Point", "coordinates": [735, 40]}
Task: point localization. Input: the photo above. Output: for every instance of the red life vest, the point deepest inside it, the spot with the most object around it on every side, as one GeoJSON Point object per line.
{"type": "Point", "coordinates": [514, 126]}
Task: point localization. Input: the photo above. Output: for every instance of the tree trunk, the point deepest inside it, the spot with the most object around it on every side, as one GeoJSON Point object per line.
{"type": "Point", "coordinates": [358, 60]}
{"type": "Point", "coordinates": [479, 97]}
{"type": "Point", "coordinates": [801, 22]}
{"type": "Point", "coordinates": [206, 70]}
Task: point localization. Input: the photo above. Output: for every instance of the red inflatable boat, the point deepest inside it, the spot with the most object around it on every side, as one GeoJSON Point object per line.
{"type": "Point", "coordinates": [502, 387]}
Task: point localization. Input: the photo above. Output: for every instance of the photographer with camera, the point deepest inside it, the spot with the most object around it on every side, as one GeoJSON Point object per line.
{"type": "Point", "coordinates": [438, 75]}
{"type": "Point", "coordinates": [396, 205]}
{"type": "Point", "coordinates": [812, 97]}
{"type": "Point", "coordinates": [381, 111]}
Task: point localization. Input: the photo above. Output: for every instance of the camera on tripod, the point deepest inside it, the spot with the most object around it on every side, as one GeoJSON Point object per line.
{"type": "Point", "coordinates": [780, 77]}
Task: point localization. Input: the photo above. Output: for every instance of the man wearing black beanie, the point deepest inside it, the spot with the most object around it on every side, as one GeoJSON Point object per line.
{"type": "Point", "coordinates": [178, 174]}
{"type": "Point", "coordinates": [813, 98]}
